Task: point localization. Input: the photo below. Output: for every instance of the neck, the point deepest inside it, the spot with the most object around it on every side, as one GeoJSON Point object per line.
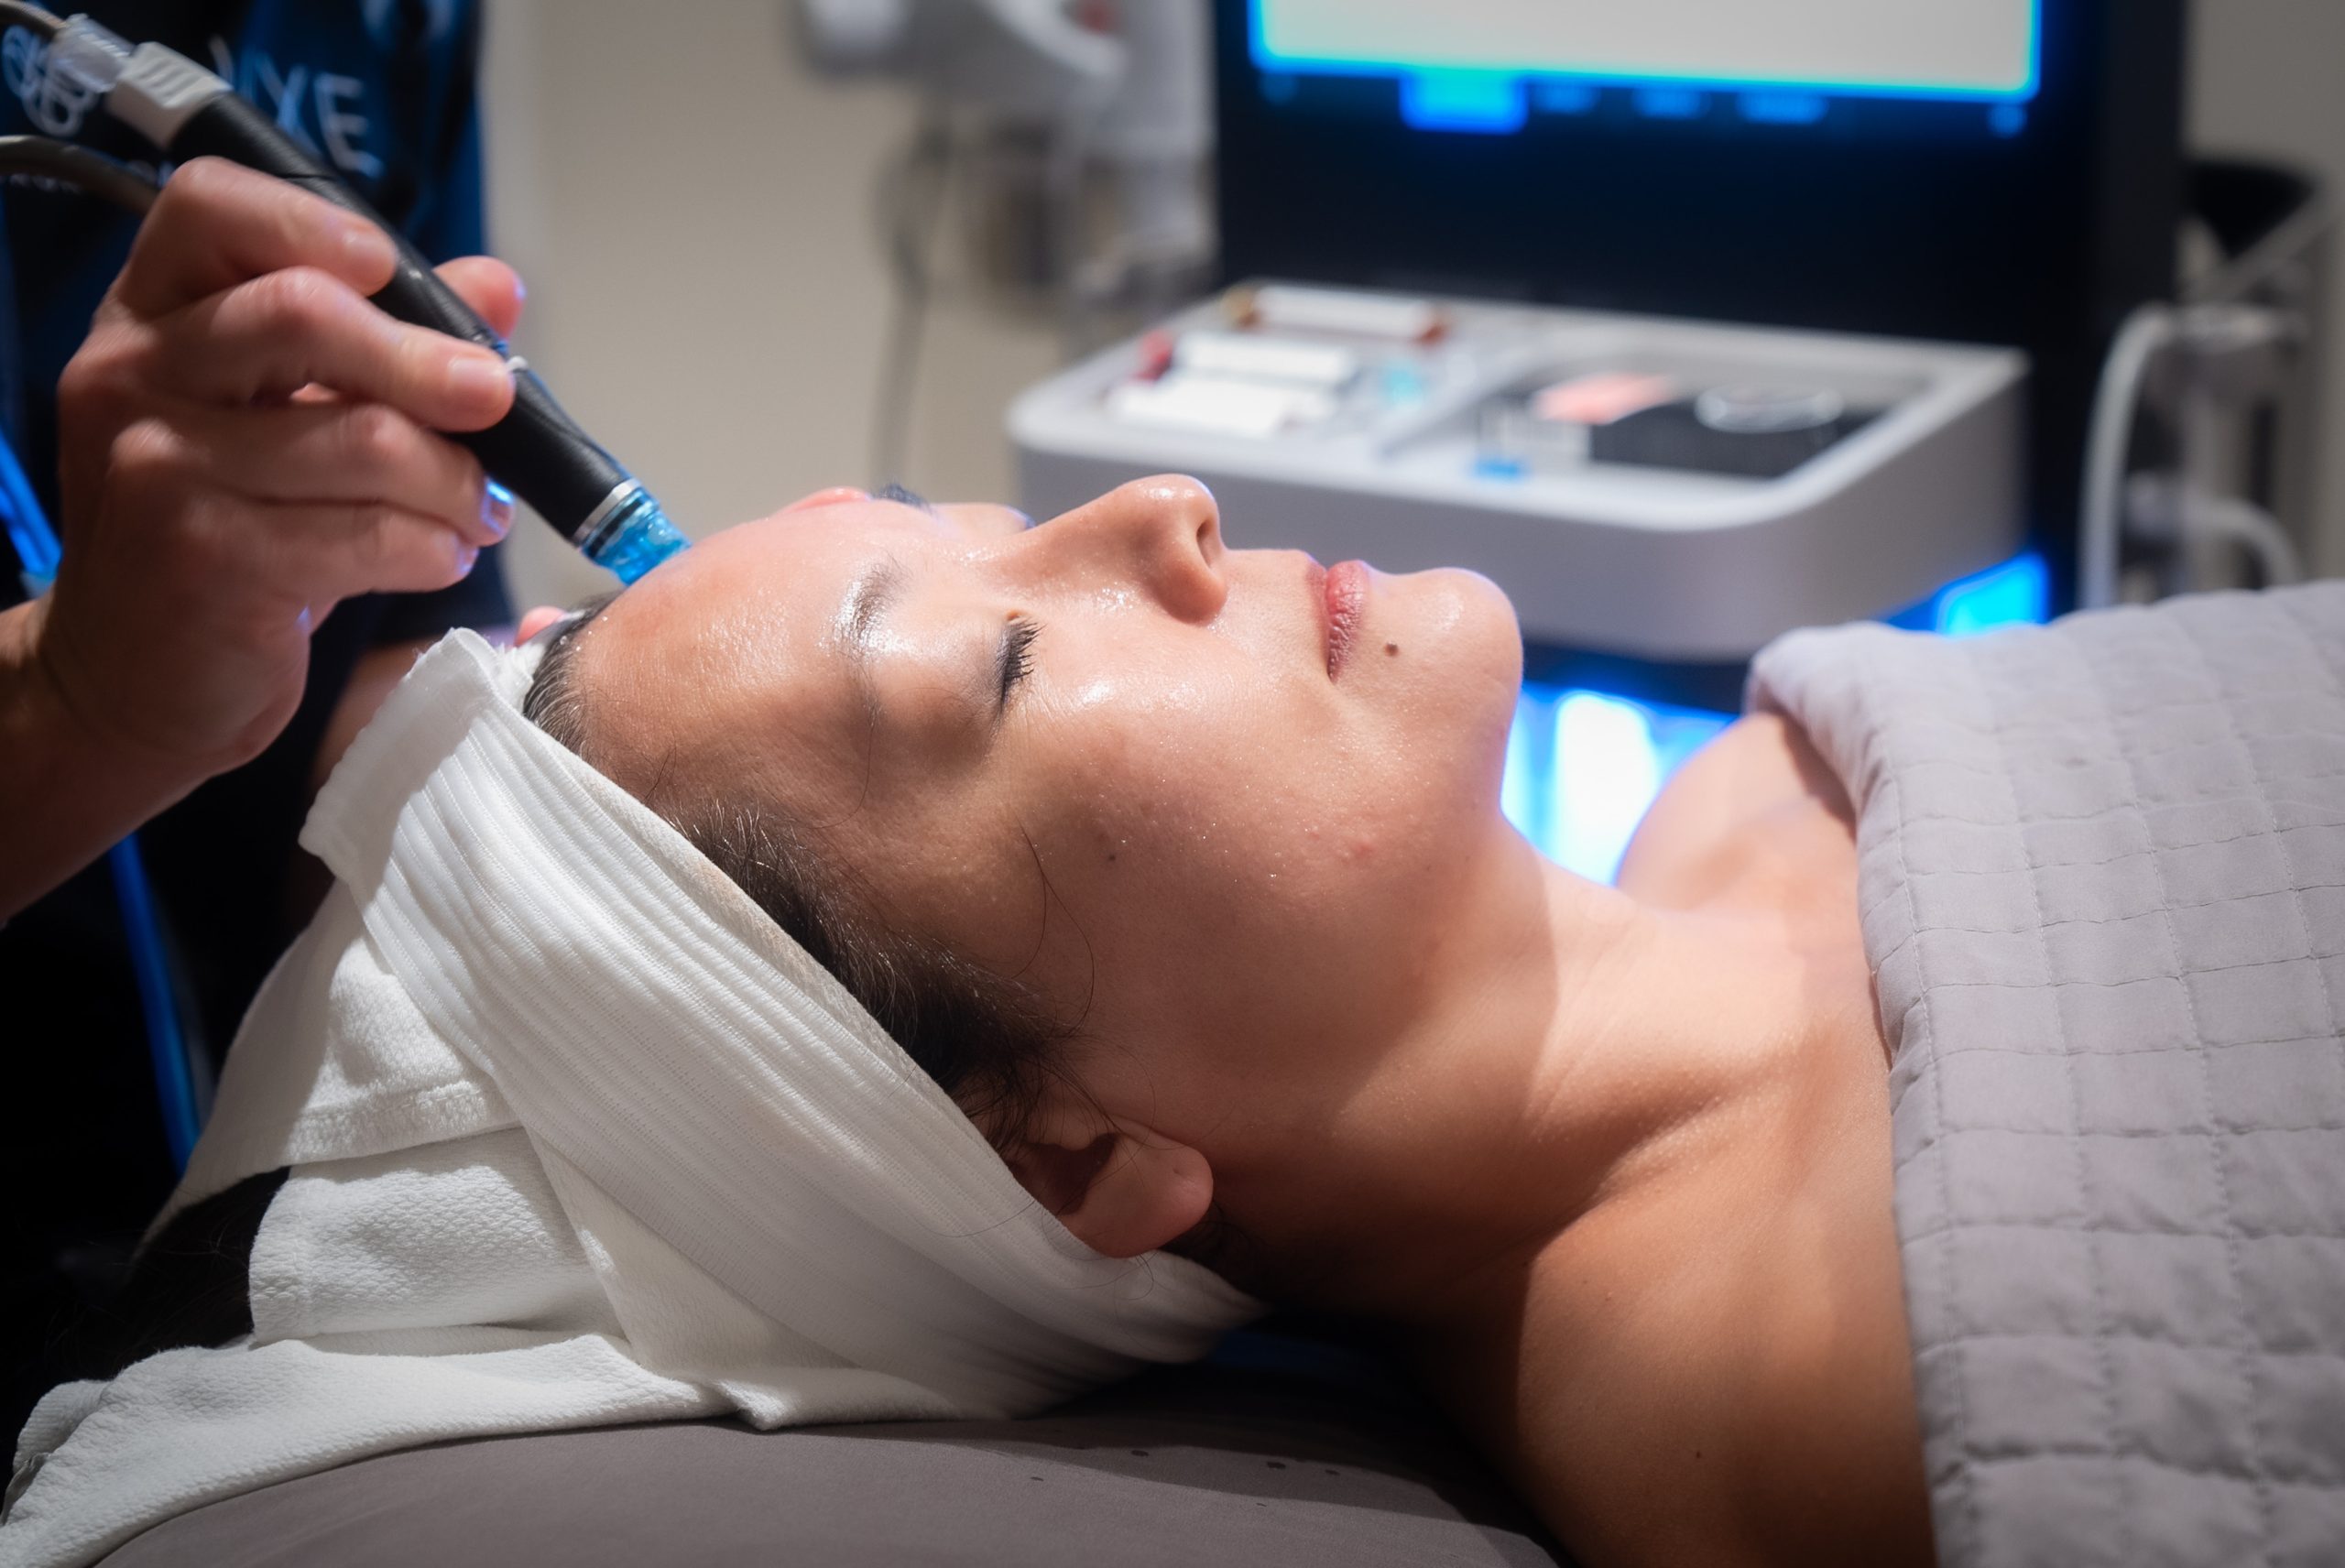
{"type": "Point", "coordinates": [1585, 1048]}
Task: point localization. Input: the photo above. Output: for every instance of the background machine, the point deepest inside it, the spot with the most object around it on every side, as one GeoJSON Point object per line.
{"type": "Point", "coordinates": [1696, 321]}
{"type": "Point", "coordinates": [1690, 322]}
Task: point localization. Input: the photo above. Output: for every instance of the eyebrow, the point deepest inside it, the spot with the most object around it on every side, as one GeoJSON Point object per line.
{"type": "Point", "coordinates": [866, 602]}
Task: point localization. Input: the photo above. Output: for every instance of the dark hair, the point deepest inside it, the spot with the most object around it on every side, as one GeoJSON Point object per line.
{"type": "Point", "coordinates": [988, 1041]}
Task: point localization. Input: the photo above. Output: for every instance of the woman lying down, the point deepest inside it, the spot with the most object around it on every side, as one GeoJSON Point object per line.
{"type": "Point", "coordinates": [892, 964]}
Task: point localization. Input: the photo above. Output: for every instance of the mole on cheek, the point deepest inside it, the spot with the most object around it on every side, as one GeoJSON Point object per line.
{"type": "Point", "coordinates": [1391, 651]}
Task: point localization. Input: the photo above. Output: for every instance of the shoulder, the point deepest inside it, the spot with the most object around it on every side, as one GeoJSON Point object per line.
{"type": "Point", "coordinates": [1745, 1399]}
{"type": "Point", "coordinates": [1759, 801]}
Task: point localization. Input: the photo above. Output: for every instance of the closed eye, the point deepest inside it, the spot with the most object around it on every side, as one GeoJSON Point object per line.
{"type": "Point", "coordinates": [1016, 656]}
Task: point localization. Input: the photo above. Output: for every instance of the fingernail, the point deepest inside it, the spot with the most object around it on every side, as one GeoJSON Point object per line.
{"type": "Point", "coordinates": [365, 242]}
{"type": "Point", "coordinates": [464, 560]}
{"type": "Point", "coordinates": [477, 378]}
{"type": "Point", "coordinates": [497, 508]}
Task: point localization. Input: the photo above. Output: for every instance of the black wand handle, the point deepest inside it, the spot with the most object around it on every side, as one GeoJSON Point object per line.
{"type": "Point", "coordinates": [536, 451]}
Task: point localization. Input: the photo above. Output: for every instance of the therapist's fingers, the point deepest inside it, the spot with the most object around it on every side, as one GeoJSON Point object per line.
{"type": "Point", "coordinates": [492, 288]}
{"type": "Point", "coordinates": [270, 337]}
{"type": "Point", "coordinates": [321, 554]}
{"type": "Point", "coordinates": [216, 226]}
{"type": "Point", "coordinates": [321, 452]}
{"type": "Point", "coordinates": [536, 619]}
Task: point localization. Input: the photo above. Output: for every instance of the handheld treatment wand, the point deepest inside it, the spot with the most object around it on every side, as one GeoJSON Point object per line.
{"type": "Point", "coordinates": [536, 451]}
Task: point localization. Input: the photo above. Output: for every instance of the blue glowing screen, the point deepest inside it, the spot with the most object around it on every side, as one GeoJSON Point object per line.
{"type": "Point", "coordinates": [2018, 593]}
{"type": "Point", "coordinates": [1583, 767]}
{"type": "Point", "coordinates": [1467, 64]}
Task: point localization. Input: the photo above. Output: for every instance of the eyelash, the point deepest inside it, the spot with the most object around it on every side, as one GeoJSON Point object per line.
{"type": "Point", "coordinates": [1017, 654]}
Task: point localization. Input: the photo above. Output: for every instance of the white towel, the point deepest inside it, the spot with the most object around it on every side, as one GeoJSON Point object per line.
{"type": "Point", "coordinates": [579, 1136]}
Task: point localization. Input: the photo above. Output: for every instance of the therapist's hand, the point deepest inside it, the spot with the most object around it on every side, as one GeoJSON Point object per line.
{"type": "Point", "coordinates": [244, 442]}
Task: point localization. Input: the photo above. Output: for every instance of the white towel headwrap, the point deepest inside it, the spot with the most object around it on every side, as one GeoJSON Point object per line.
{"type": "Point", "coordinates": [579, 1136]}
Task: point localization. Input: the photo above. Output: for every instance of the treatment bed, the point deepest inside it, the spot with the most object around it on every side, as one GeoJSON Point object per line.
{"type": "Point", "coordinates": [2102, 892]}
{"type": "Point", "coordinates": [1279, 1452]}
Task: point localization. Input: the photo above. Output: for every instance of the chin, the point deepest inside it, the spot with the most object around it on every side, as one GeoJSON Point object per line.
{"type": "Point", "coordinates": [1462, 668]}
{"type": "Point", "coordinates": [1493, 614]}
{"type": "Point", "coordinates": [1479, 638]}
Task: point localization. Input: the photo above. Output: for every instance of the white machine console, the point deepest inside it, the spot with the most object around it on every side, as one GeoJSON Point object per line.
{"type": "Point", "coordinates": [1668, 490]}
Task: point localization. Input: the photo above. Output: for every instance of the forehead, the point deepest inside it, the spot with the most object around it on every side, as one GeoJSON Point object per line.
{"type": "Point", "coordinates": [788, 565]}
{"type": "Point", "coordinates": [697, 672]}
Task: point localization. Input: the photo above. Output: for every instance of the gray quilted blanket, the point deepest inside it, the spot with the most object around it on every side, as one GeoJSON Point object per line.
{"type": "Point", "coordinates": [2103, 894]}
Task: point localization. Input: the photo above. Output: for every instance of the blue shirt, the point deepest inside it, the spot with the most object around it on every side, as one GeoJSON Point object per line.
{"type": "Point", "coordinates": [384, 93]}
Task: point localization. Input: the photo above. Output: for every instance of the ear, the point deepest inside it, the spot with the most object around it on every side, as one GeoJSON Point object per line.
{"type": "Point", "coordinates": [1121, 1189]}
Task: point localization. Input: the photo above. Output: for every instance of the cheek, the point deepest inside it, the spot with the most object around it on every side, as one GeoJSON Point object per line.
{"type": "Point", "coordinates": [1215, 783]}
{"type": "Point", "coordinates": [1223, 873]}
{"type": "Point", "coordinates": [973, 885]}
{"type": "Point", "coordinates": [1222, 845]}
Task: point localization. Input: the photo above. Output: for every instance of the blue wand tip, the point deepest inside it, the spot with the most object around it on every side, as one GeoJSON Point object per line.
{"type": "Point", "coordinates": [633, 539]}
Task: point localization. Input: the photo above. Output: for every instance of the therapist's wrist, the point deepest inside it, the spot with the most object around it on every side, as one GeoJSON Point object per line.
{"type": "Point", "coordinates": [69, 790]}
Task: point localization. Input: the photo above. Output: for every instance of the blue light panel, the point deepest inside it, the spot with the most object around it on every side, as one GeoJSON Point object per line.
{"type": "Point", "coordinates": [1463, 101]}
{"type": "Point", "coordinates": [1784, 108]}
{"type": "Point", "coordinates": [1364, 53]}
{"type": "Point", "coordinates": [1671, 103]}
{"type": "Point", "coordinates": [1583, 767]}
{"type": "Point", "coordinates": [2016, 593]}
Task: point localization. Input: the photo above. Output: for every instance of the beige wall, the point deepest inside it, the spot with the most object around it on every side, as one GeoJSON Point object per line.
{"type": "Point", "coordinates": [695, 214]}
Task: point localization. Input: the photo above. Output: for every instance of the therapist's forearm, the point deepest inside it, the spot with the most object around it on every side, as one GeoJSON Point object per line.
{"type": "Point", "coordinates": [67, 793]}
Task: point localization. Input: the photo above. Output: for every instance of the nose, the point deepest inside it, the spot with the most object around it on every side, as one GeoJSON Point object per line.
{"type": "Point", "coordinates": [1163, 533]}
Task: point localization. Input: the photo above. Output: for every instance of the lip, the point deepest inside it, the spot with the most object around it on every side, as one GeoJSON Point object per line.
{"type": "Point", "coordinates": [1344, 590]}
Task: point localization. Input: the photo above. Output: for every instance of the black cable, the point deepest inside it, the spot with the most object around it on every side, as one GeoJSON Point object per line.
{"type": "Point", "coordinates": [32, 18]}
{"type": "Point", "coordinates": [46, 158]}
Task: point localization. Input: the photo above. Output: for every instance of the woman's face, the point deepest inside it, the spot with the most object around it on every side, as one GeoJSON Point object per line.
{"type": "Point", "coordinates": [1214, 803]}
